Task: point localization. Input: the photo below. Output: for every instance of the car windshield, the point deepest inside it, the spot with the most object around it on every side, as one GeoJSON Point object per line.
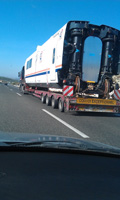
{"type": "Point", "coordinates": [60, 71]}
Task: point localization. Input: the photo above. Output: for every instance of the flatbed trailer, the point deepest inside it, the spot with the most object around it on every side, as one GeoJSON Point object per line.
{"type": "Point", "coordinates": [75, 103]}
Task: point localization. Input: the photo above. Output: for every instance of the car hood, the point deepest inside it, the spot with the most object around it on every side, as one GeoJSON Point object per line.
{"type": "Point", "coordinates": [32, 139]}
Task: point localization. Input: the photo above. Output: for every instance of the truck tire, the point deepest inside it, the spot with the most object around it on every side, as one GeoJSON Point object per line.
{"type": "Point", "coordinates": [61, 105]}
{"type": "Point", "coordinates": [23, 89]}
{"type": "Point", "coordinates": [54, 102]}
{"type": "Point", "coordinates": [43, 98]}
{"type": "Point", "coordinates": [48, 100]}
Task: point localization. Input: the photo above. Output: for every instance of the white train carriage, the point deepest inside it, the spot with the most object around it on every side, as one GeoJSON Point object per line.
{"type": "Point", "coordinates": [80, 54]}
{"type": "Point", "coordinates": [42, 66]}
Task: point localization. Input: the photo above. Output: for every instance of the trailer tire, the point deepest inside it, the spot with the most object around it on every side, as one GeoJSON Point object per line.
{"type": "Point", "coordinates": [61, 105]}
{"type": "Point", "coordinates": [54, 102]}
{"type": "Point", "coordinates": [43, 98]}
{"type": "Point", "coordinates": [48, 100]}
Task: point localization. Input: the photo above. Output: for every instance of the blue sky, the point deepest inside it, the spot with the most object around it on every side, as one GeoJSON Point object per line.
{"type": "Point", "coordinates": [24, 24]}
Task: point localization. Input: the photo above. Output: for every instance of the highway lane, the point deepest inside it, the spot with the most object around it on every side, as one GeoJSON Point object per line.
{"type": "Point", "coordinates": [26, 114]}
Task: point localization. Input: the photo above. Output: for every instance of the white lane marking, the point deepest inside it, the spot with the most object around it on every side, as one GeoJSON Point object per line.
{"type": "Point", "coordinates": [11, 89]}
{"type": "Point", "coordinates": [66, 124]}
{"type": "Point", "coordinates": [16, 86]}
{"type": "Point", "coordinates": [19, 94]}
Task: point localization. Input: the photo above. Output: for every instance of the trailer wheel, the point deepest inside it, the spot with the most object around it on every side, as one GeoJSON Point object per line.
{"type": "Point", "coordinates": [54, 102]}
{"type": "Point", "coordinates": [48, 100]}
{"type": "Point", "coordinates": [61, 105]}
{"type": "Point", "coordinates": [43, 98]}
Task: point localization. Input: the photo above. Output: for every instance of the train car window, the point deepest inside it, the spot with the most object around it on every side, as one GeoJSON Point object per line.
{"type": "Point", "coordinates": [53, 60]}
{"type": "Point", "coordinates": [29, 64]}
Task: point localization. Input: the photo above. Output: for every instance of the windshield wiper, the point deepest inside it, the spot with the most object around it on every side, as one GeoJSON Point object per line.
{"type": "Point", "coordinates": [57, 144]}
{"type": "Point", "coordinates": [70, 145]}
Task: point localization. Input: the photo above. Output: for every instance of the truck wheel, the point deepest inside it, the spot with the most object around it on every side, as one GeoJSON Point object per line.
{"type": "Point", "coordinates": [23, 89]}
{"type": "Point", "coordinates": [54, 103]}
{"type": "Point", "coordinates": [61, 105]}
{"type": "Point", "coordinates": [48, 100]}
{"type": "Point", "coordinates": [43, 98]}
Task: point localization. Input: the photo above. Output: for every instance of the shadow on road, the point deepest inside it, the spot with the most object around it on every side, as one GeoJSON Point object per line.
{"type": "Point", "coordinates": [93, 114]}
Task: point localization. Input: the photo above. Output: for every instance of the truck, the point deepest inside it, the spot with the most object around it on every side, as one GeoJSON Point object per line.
{"type": "Point", "coordinates": [76, 69]}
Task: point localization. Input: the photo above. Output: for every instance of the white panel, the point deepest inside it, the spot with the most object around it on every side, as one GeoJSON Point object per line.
{"type": "Point", "coordinates": [42, 60]}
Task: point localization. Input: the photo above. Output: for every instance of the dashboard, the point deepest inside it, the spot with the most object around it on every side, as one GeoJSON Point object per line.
{"type": "Point", "coordinates": [58, 175]}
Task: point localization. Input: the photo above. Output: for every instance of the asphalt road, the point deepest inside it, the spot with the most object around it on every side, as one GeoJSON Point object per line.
{"type": "Point", "coordinates": [21, 113]}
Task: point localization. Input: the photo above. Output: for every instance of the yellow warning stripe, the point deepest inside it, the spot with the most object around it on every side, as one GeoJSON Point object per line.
{"type": "Point", "coordinates": [96, 101]}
